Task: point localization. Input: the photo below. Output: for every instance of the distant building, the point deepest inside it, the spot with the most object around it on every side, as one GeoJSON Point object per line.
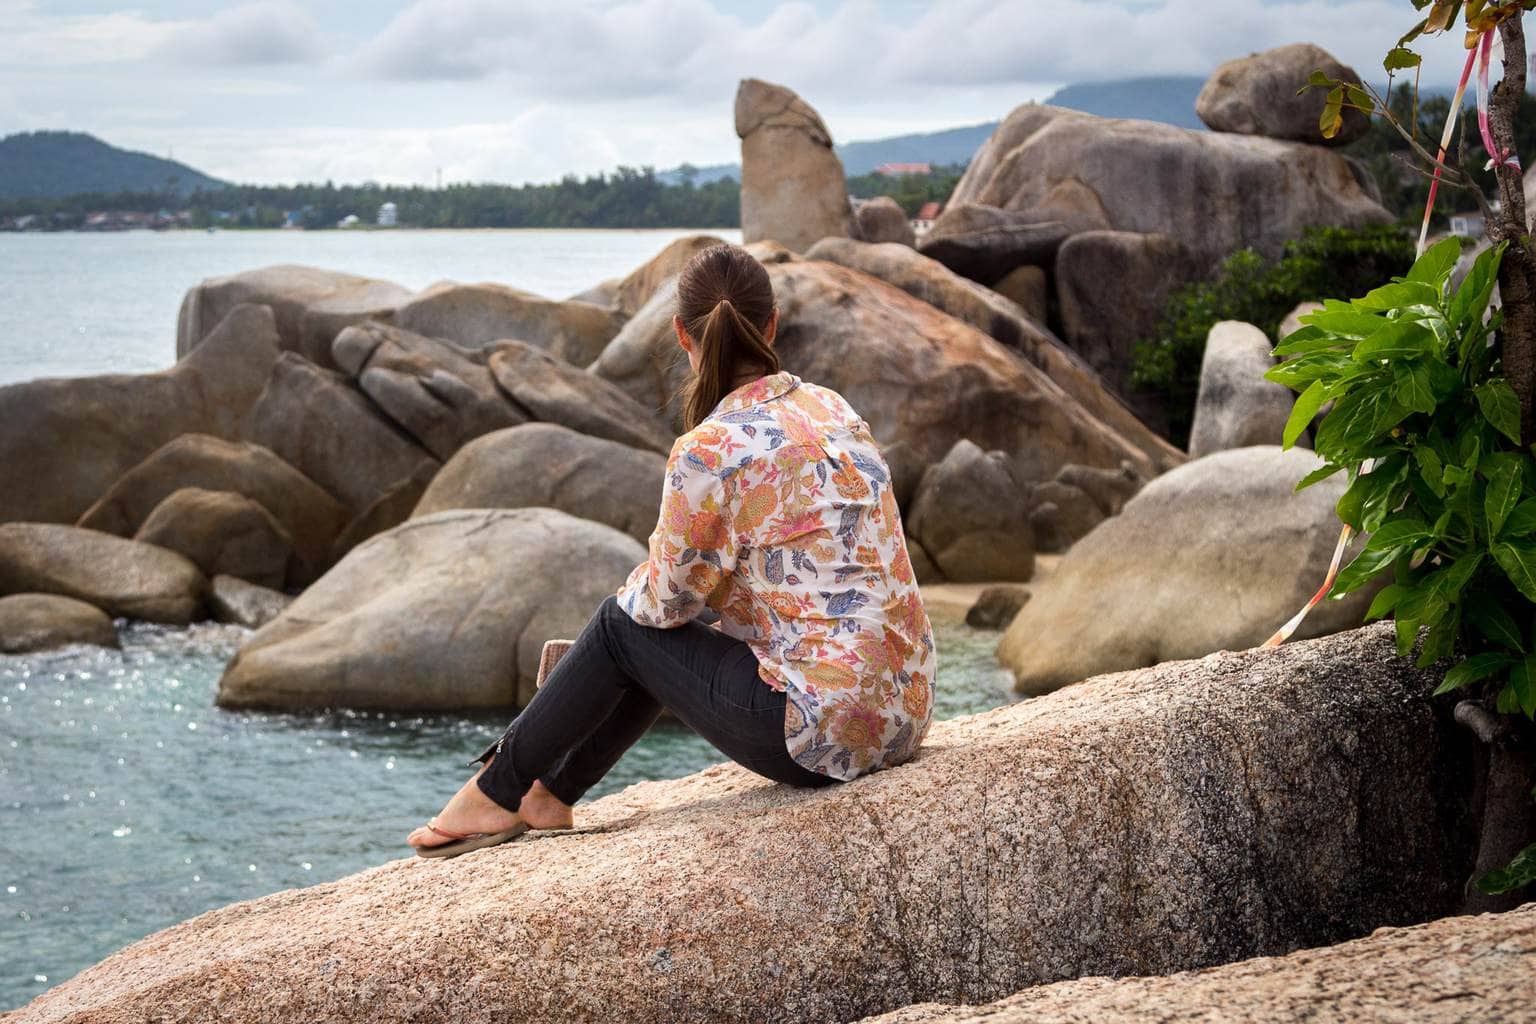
{"type": "Point", "coordinates": [351, 220]}
{"type": "Point", "coordinates": [892, 170]}
{"type": "Point", "coordinates": [1467, 225]}
{"type": "Point", "coordinates": [389, 215]}
{"type": "Point", "coordinates": [926, 215]}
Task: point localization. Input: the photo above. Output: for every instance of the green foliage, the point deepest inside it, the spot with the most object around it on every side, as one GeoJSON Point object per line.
{"type": "Point", "coordinates": [910, 191]}
{"type": "Point", "coordinates": [1449, 498]}
{"type": "Point", "coordinates": [1247, 287]}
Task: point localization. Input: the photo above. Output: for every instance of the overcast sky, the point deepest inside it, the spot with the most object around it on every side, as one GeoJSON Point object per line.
{"type": "Point", "coordinates": [274, 91]}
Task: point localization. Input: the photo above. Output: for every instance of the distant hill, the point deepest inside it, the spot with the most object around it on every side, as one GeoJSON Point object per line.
{"type": "Point", "coordinates": [53, 164]}
{"type": "Point", "coordinates": [1170, 100]}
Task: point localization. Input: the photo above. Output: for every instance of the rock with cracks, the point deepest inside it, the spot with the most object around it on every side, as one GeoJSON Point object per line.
{"type": "Point", "coordinates": [1184, 816]}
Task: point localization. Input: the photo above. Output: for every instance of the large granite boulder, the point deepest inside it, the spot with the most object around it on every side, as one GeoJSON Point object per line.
{"type": "Point", "coordinates": [474, 315]}
{"type": "Point", "coordinates": [318, 422]}
{"type": "Point", "coordinates": [636, 289]}
{"type": "Point", "coordinates": [917, 375]}
{"type": "Point", "coordinates": [40, 622]}
{"type": "Point", "coordinates": [70, 439]}
{"type": "Point", "coordinates": [391, 508]}
{"type": "Point", "coordinates": [1449, 971]}
{"type": "Point", "coordinates": [437, 391]}
{"type": "Point", "coordinates": [987, 243]}
{"type": "Point", "coordinates": [1212, 192]}
{"type": "Point", "coordinates": [1258, 95]}
{"type": "Point", "coordinates": [793, 188]}
{"type": "Point", "coordinates": [971, 518]}
{"type": "Point", "coordinates": [553, 391]}
{"type": "Point", "coordinates": [121, 577]}
{"type": "Point", "coordinates": [1212, 556]}
{"type": "Point", "coordinates": [1235, 406]}
{"type": "Point", "coordinates": [310, 517]}
{"type": "Point", "coordinates": [222, 533]}
{"type": "Point", "coordinates": [882, 219]}
{"type": "Point", "coordinates": [1028, 287]}
{"type": "Point", "coordinates": [1180, 817]}
{"type": "Point", "coordinates": [446, 612]}
{"type": "Point", "coordinates": [310, 304]}
{"type": "Point", "coordinates": [991, 313]}
{"type": "Point", "coordinates": [544, 464]}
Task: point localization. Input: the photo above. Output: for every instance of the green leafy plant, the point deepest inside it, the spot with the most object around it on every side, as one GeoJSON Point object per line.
{"type": "Point", "coordinates": [1428, 428]}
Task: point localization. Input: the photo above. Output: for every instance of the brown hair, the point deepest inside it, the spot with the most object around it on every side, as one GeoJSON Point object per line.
{"type": "Point", "coordinates": [725, 300]}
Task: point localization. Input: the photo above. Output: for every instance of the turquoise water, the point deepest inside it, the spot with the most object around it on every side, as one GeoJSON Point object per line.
{"type": "Point", "coordinates": [129, 802]}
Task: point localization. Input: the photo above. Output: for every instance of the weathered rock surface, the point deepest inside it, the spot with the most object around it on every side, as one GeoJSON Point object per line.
{"type": "Point", "coordinates": [793, 189]}
{"type": "Point", "coordinates": [1214, 555]}
{"type": "Point", "coordinates": [1026, 286]}
{"type": "Point", "coordinates": [1141, 270]}
{"type": "Point", "coordinates": [544, 464]}
{"type": "Point", "coordinates": [311, 305]}
{"type": "Point", "coordinates": [474, 315]}
{"type": "Point", "coordinates": [222, 533]}
{"type": "Point", "coordinates": [311, 517]}
{"type": "Point", "coordinates": [986, 243]}
{"type": "Point", "coordinates": [1258, 95]}
{"type": "Point", "coordinates": [121, 577]}
{"type": "Point", "coordinates": [636, 289]}
{"type": "Point", "coordinates": [915, 374]}
{"type": "Point", "coordinates": [1235, 406]}
{"type": "Point", "coordinates": [1060, 514]}
{"type": "Point", "coordinates": [1188, 815]}
{"type": "Point", "coordinates": [971, 518]}
{"type": "Point", "coordinates": [882, 219]}
{"type": "Point", "coordinates": [996, 606]}
{"type": "Point", "coordinates": [232, 599]}
{"type": "Point", "coordinates": [445, 612]}
{"type": "Point", "coordinates": [70, 439]}
{"type": "Point", "coordinates": [438, 391]}
{"type": "Point", "coordinates": [40, 622]}
{"type": "Point", "coordinates": [992, 314]}
{"type": "Point", "coordinates": [1017, 128]}
{"type": "Point", "coordinates": [317, 422]}
{"type": "Point", "coordinates": [553, 391]}
{"type": "Point", "coordinates": [391, 508]}
{"type": "Point", "coordinates": [1448, 971]}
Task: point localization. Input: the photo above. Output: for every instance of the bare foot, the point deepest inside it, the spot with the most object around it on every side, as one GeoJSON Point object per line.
{"type": "Point", "coordinates": [469, 810]}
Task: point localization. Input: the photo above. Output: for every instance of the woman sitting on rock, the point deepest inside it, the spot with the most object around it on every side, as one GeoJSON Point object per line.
{"type": "Point", "coordinates": [777, 516]}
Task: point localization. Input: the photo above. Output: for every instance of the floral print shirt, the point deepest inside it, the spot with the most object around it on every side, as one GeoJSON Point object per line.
{"type": "Point", "coordinates": [777, 513]}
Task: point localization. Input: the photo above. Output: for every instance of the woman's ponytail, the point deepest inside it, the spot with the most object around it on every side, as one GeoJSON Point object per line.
{"type": "Point", "coordinates": [725, 300]}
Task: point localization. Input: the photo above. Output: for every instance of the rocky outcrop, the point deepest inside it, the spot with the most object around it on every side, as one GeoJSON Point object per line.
{"type": "Point", "coordinates": [1258, 95]}
{"type": "Point", "coordinates": [1448, 971]}
{"type": "Point", "coordinates": [929, 280]}
{"type": "Point", "coordinates": [1184, 816]}
{"type": "Point", "coordinates": [446, 612]}
{"type": "Point", "coordinates": [915, 374]}
{"type": "Point", "coordinates": [986, 243]}
{"type": "Point", "coordinates": [971, 518]}
{"type": "Point", "coordinates": [1212, 556]}
{"type": "Point", "coordinates": [437, 391]}
{"type": "Point", "coordinates": [109, 424]}
{"type": "Point", "coordinates": [310, 305]}
{"type": "Point", "coordinates": [310, 516]}
{"type": "Point", "coordinates": [317, 422]}
{"type": "Point", "coordinates": [1026, 286]}
{"type": "Point", "coordinates": [222, 533]}
{"type": "Point", "coordinates": [1235, 406]}
{"type": "Point", "coordinates": [636, 289]}
{"type": "Point", "coordinates": [996, 606]}
{"type": "Point", "coordinates": [121, 577]}
{"type": "Point", "coordinates": [793, 189]}
{"type": "Point", "coordinates": [232, 599]}
{"type": "Point", "coordinates": [882, 219]}
{"type": "Point", "coordinates": [543, 464]}
{"type": "Point", "coordinates": [40, 622]}
{"type": "Point", "coordinates": [474, 315]}
{"type": "Point", "coordinates": [553, 391]}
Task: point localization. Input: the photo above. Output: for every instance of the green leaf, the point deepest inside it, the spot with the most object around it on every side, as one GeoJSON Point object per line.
{"type": "Point", "coordinates": [1298, 373]}
{"type": "Point", "coordinates": [1522, 679]}
{"type": "Point", "coordinates": [1522, 521]}
{"type": "Point", "coordinates": [1317, 476]}
{"type": "Point", "coordinates": [1503, 494]}
{"type": "Point", "coordinates": [1440, 641]}
{"type": "Point", "coordinates": [1399, 532]}
{"type": "Point", "coordinates": [1344, 323]}
{"type": "Point", "coordinates": [1398, 339]}
{"type": "Point", "coordinates": [1332, 118]}
{"type": "Point", "coordinates": [1359, 98]}
{"type": "Point", "coordinates": [1517, 874]}
{"type": "Point", "coordinates": [1493, 622]}
{"type": "Point", "coordinates": [1414, 386]}
{"type": "Point", "coordinates": [1319, 78]}
{"type": "Point", "coordinates": [1429, 468]}
{"type": "Point", "coordinates": [1385, 600]}
{"type": "Point", "coordinates": [1471, 300]}
{"type": "Point", "coordinates": [1500, 407]}
{"type": "Point", "coordinates": [1306, 339]}
{"type": "Point", "coordinates": [1518, 560]}
{"type": "Point", "coordinates": [1436, 264]}
{"type": "Point", "coordinates": [1302, 412]}
{"type": "Point", "coordinates": [1407, 632]}
{"type": "Point", "coordinates": [1399, 295]}
{"type": "Point", "coordinates": [1400, 58]}
{"type": "Point", "coordinates": [1357, 419]}
{"type": "Point", "coordinates": [1479, 666]}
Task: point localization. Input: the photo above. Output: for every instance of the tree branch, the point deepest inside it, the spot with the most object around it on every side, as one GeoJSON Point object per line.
{"type": "Point", "coordinates": [1517, 272]}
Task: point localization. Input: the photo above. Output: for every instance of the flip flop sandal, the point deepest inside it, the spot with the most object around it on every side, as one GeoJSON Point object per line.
{"type": "Point", "coordinates": [467, 841]}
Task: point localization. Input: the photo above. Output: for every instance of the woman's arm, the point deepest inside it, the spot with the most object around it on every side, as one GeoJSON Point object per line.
{"type": "Point", "coordinates": [692, 548]}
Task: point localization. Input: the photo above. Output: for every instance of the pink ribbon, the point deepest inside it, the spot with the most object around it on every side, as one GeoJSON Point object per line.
{"type": "Point", "coordinates": [1496, 157]}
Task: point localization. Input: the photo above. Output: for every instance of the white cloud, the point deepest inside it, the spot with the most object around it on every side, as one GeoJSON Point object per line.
{"type": "Point", "coordinates": [36, 39]}
{"type": "Point", "coordinates": [265, 32]}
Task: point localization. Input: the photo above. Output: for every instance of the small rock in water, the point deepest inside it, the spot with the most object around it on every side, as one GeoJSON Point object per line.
{"type": "Point", "coordinates": [996, 606]}
{"type": "Point", "coordinates": [232, 599]}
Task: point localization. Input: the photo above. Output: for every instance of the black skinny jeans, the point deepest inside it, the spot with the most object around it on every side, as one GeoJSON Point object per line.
{"type": "Point", "coordinates": [613, 683]}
